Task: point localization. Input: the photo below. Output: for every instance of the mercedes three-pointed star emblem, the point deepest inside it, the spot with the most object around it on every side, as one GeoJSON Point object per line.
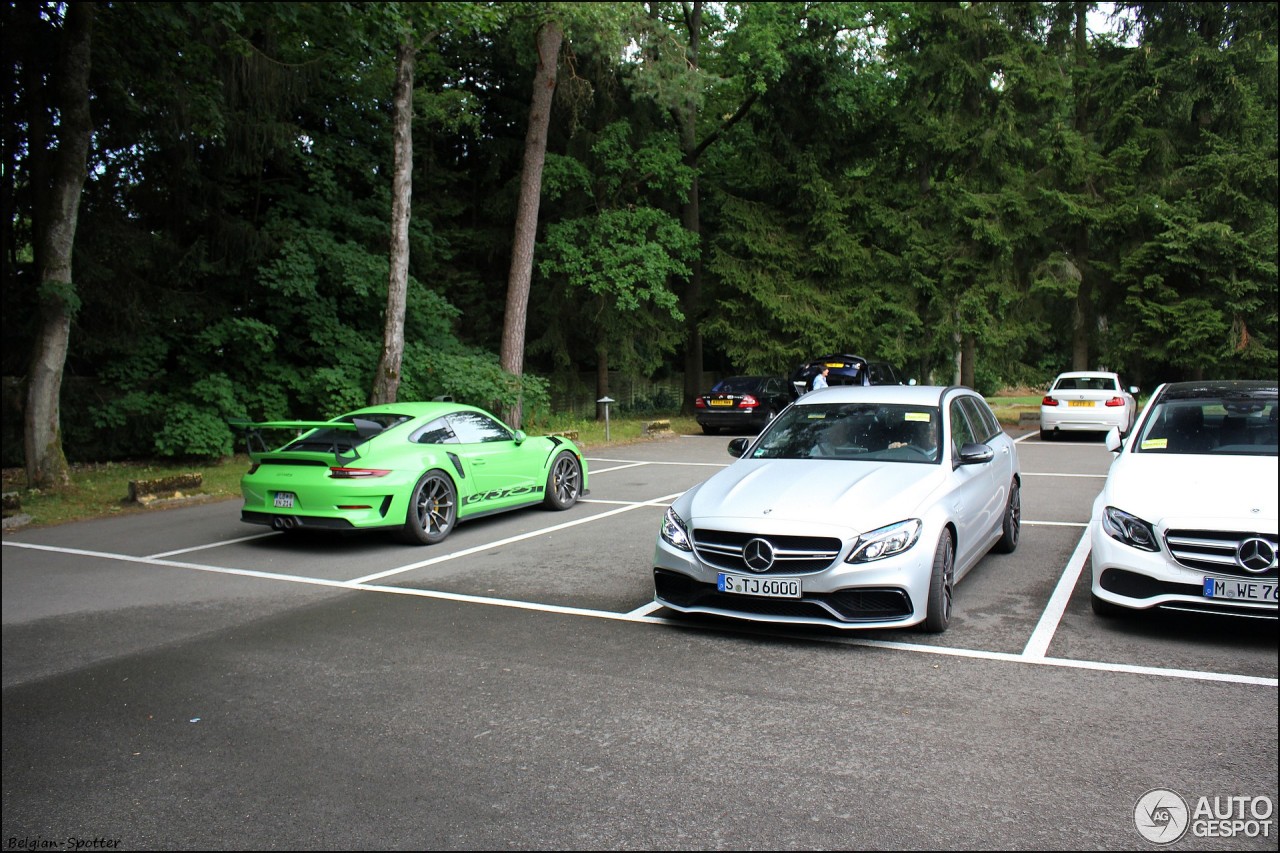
{"type": "Point", "coordinates": [1256, 555]}
{"type": "Point", "coordinates": [758, 555]}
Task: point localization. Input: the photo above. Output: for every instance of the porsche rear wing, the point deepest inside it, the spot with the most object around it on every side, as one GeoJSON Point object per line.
{"type": "Point", "coordinates": [343, 454]}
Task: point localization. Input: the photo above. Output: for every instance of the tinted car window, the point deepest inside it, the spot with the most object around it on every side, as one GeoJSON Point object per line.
{"type": "Point", "coordinates": [736, 385]}
{"type": "Point", "coordinates": [1211, 425]}
{"type": "Point", "coordinates": [984, 423]}
{"type": "Point", "coordinates": [436, 432]}
{"type": "Point", "coordinates": [343, 441]}
{"type": "Point", "coordinates": [961, 432]}
{"type": "Point", "coordinates": [475, 428]}
{"type": "Point", "coordinates": [854, 432]}
{"type": "Point", "coordinates": [882, 374]}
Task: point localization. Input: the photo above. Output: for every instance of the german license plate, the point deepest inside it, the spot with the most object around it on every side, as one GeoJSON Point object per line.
{"type": "Point", "coordinates": [1085, 403]}
{"type": "Point", "coordinates": [722, 402]}
{"type": "Point", "coordinates": [765, 587]}
{"type": "Point", "coordinates": [1240, 590]}
{"type": "Point", "coordinates": [284, 500]}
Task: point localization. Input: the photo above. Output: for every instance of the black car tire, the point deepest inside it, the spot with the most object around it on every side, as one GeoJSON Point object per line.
{"type": "Point", "coordinates": [1045, 435]}
{"type": "Point", "coordinates": [564, 482]}
{"type": "Point", "coordinates": [710, 430]}
{"type": "Point", "coordinates": [433, 509]}
{"type": "Point", "coordinates": [941, 585]}
{"type": "Point", "coordinates": [1011, 529]}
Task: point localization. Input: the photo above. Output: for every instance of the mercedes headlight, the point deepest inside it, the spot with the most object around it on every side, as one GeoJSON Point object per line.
{"type": "Point", "coordinates": [674, 532]}
{"type": "Point", "coordinates": [885, 542]}
{"type": "Point", "coordinates": [1129, 529]}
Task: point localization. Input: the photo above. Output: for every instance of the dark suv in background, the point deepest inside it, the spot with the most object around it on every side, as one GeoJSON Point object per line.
{"type": "Point", "coordinates": [845, 369]}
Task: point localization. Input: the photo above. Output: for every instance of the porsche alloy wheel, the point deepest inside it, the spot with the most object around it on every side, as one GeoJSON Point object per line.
{"type": "Point", "coordinates": [564, 483]}
{"type": "Point", "coordinates": [433, 509]}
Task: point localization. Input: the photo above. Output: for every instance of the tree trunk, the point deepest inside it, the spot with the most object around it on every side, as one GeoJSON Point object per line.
{"type": "Point", "coordinates": [968, 359]}
{"type": "Point", "coordinates": [1082, 322]}
{"type": "Point", "coordinates": [46, 463]}
{"type": "Point", "coordinates": [386, 383]}
{"type": "Point", "coordinates": [691, 217]}
{"type": "Point", "coordinates": [1082, 317]}
{"type": "Point", "coordinates": [549, 38]}
{"type": "Point", "coordinates": [957, 359]}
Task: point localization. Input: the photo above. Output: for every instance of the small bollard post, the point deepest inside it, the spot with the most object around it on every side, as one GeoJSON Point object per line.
{"type": "Point", "coordinates": [606, 401]}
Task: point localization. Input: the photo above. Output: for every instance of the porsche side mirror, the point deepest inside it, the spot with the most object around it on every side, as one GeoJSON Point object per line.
{"type": "Point", "coordinates": [519, 436]}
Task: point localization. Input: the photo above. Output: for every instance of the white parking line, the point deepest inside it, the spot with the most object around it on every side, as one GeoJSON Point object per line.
{"type": "Point", "coordinates": [640, 616]}
{"type": "Point", "coordinates": [1052, 615]}
{"type": "Point", "coordinates": [634, 463]}
{"type": "Point", "coordinates": [1056, 523]}
{"type": "Point", "coordinates": [509, 540]}
{"type": "Point", "coordinates": [591, 472]}
{"type": "Point", "coordinates": [215, 544]}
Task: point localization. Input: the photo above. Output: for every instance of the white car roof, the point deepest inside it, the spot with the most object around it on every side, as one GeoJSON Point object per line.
{"type": "Point", "coordinates": [909, 395]}
{"type": "Point", "coordinates": [1087, 374]}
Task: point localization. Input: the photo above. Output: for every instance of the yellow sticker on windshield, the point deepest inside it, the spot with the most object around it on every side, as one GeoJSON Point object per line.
{"type": "Point", "coordinates": [1155, 444]}
{"type": "Point", "coordinates": [916, 416]}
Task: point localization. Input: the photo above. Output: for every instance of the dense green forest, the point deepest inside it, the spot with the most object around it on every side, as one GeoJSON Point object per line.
{"type": "Point", "coordinates": [988, 192]}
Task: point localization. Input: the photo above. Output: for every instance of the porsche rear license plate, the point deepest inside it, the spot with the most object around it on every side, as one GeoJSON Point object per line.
{"type": "Point", "coordinates": [284, 500]}
{"type": "Point", "coordinates": [722, 402]}
{"type": "Point", "coordinates": [766, 587]}
{"type": "Point", "coordinates": [1240, 590]}
{"type": "Point", "coordinates": [1088, 403]}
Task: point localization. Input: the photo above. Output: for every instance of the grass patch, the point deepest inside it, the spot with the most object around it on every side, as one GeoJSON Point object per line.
{"type": "Point", "coordinates": [102, 489]}
{"type": "Point", "coordinates": [1008, 410]}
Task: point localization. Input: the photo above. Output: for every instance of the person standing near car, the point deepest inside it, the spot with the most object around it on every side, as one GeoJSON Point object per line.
{"type": "Point", "coordinates": [820, 380]}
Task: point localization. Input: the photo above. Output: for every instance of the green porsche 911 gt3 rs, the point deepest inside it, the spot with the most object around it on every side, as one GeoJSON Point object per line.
{"type": "Point", "coordinates": [419, 468]}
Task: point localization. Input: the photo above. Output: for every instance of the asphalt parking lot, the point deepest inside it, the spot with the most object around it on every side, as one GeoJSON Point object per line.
{"type": "Point", "coordinates": [181, 680]}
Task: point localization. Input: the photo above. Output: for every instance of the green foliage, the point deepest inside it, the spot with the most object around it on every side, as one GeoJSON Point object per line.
{"type": "Point", "coordinates": [189, 430]}
{"type": "Point", "coordinates": [627, 256]}
{"type": "Point", "coordinates": [893, 179]}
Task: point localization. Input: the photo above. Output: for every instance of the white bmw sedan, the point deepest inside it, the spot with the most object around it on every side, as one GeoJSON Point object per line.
{"type": "Point", "coordinates": [1087, 401]}
{"type": "Point", "coordinates": [858, 507]}
{"type": "Point", "coordinates": [1187, 518]}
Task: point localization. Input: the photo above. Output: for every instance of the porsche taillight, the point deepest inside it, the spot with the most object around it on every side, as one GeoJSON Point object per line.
{"type": "Point", "coordinates": [357, 473]}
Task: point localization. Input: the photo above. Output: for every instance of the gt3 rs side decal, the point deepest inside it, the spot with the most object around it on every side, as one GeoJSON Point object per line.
{"type": "Point", "coordinates": [499, 494]}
